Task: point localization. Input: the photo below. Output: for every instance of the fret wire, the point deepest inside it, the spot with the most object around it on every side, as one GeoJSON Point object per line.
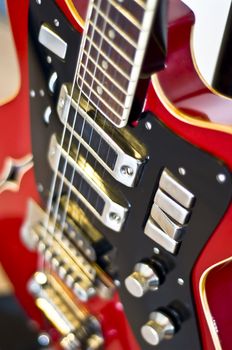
{"type": "Point", "coordinates": [128, 5]}
{"type": "Point", "coordinates": [118, 29]}
{"type": "Point", "coordinates": [115, 47]}
{"type": "Point", "coordinates": [140, 3]}
{"type": "Point", "coordinates": [93, 90]}
{"type": "Point", "coordinates": [103, 87]}
{"type": "Point", "coordinates": [126, 12]}
{"type": "Point", "coordinates": [122, 21]}
{"type": "Point", "coordinates": [101, 99]}
{"type": "Point", "coordinates": [108, 77]}
{"type": "Point", "coordinates": [127, 15]}
{"type": "Point", "coordinates": [109, 60]}
{"type": "Point", "coordinates": [122, 82]}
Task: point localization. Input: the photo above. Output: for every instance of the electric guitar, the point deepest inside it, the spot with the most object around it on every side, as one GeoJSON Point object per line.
{"type": "Point", "coordinates": [116, 233]}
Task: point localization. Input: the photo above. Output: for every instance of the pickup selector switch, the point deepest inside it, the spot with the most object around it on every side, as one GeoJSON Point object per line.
{"type": "Point", "coordinates": [158, 328]}
{"type": "Point", "coordinates": [147, 276]}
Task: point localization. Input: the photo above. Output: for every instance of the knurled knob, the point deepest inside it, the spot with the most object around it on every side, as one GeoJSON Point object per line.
{"type": "Point", "coordinates": [143, 279]}
{"type": "Point", "coordinates": [158, 328]}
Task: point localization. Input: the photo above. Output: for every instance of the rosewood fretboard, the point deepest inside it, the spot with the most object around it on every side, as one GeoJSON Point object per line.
{"type": "Point", "coordinates": [112, 52]}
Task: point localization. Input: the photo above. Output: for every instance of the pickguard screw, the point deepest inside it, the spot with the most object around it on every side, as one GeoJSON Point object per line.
{"type": "Point", "coordinates": [182, 171]}
{"type": "Point", "coordinates": [56, 22]}
{"type": "Point", "coordinates": [40, 187]}
{"type": "Point", "coordinates": [156, 250]}
{"type": "Point", "coordinates": [221, 178]}
{"type": "Point", "coordinates": [38, 2]}
{"type": "Point", "coordinates": [126, 170]}
{"type": "Point", "coordinates": [32, 93]}
{"type": "Point", "coordinates": [115, 217]}
{"type": "Point", "coordinates": [49, 59]}
{"type": "Point", "coordinates": [47, 115]}
{"type": "Point", "coordinates": [180, 281]}
{"type": "Point", "coordinates": [41, 92]}
{"type": "Point", "coordinates": [148, 126]}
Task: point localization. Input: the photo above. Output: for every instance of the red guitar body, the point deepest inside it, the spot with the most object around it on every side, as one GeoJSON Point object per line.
{"type": "Point", "coordinates": [20, 264]}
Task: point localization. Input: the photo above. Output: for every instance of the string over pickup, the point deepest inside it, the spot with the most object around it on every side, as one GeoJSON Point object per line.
{"type": "Point", "coordinates": [122, 159]}
{"type": "Point", "coordinates": [109, 207]}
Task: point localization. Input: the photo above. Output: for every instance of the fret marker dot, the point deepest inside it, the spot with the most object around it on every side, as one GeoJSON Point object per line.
{"type": "Point", "coordinates": [111, 34]}
{"type": "Point", "coordinates": [99, 90]}
{"type": "Point", "coordinates": [105, 65]}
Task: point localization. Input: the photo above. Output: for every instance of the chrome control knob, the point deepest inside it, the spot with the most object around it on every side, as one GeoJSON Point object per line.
{"type": "Point", "coordinates": [158, 328]}
{"type": "Point", "coordinates": [143, 279]}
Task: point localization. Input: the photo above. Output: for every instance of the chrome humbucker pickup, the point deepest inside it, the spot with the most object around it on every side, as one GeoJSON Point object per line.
{"type": "Point", "coordinates": [123, 161]}
{"type": "Point", "coordinates": [103, 206]}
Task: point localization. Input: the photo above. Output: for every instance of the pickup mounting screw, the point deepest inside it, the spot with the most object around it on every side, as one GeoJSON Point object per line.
{"type": "Point", "coordinates": [115, 217]}
{"type": "Point", "coordinates": [61, 102]}
{"type": "Point", "coordinates": [127, 170]}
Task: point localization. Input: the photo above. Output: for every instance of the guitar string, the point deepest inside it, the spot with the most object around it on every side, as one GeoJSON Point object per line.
{"type": "Point", "coordinates": [55, 214]}
{"type": "Point", "coordinates": [42, 261]}
{"type": "Point", "coordinates": [95, 163]}
{"type": "Point", "coordinates": [89, 141]}
{"type": "Point", "coordinates": [94, 118]}
{"type": "Point", "coordinates": [104, 123]}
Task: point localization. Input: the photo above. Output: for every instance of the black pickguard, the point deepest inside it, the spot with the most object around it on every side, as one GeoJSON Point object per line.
{"type": "Point", "coordinates": [165, 149]}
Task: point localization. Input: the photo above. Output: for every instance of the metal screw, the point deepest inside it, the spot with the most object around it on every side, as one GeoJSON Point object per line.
{"type": "Point", "coordinates": [115, 217]}
{"type": "Point", "coordinates": [32, 93]}
{"type": "Point", "coordinates": [148, 125]}
{"type": "Point", "coordinates": [56, 22]}
{"type": "Point", "coordinates": [41, 92]}
{"type": "Point", "coordinates": [182, 171]}
{"type": "Point", "coordinates": [126, 170]}
{"type": "Point", "coordinates": [221, 178]}
{"type": "Point", "coordinates": [156, 250]}
{"type": "Point", "coordinates": [61, 102]}
{"type": "Point", "coordinates": [180, 281]}
{"type": "Point", "coordinates": [117, 283]}
{"type": "Point", "coordinates": [47, 115]}
{"type": "Point", "coordinates": [38, 2]}
{"type": "Point", "coordinates": [43, 339]}
{"type": "Point", "coordinates": [40, 187]}
{"type": "Point", "coordinates": [49, 59]}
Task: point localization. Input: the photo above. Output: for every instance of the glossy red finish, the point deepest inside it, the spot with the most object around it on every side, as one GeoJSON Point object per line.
{"type": "Point", "coordinates": [218, 286]}
{"type": "Point", "coordinates": [194, 98]}
{"type": "Point", "coordinates": [20, 264]}
{"type": "Point", "coordinates": [215, 142]}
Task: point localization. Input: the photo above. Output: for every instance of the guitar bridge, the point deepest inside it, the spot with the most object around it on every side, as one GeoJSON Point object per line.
{"type": "Point", "coordinates": [83, 277]}
{"type": "Point", "coordinates": [78, 329]}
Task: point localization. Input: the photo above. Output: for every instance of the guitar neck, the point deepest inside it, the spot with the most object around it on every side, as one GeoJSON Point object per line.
{"type": "Point", "coordinates": [112, 53]}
